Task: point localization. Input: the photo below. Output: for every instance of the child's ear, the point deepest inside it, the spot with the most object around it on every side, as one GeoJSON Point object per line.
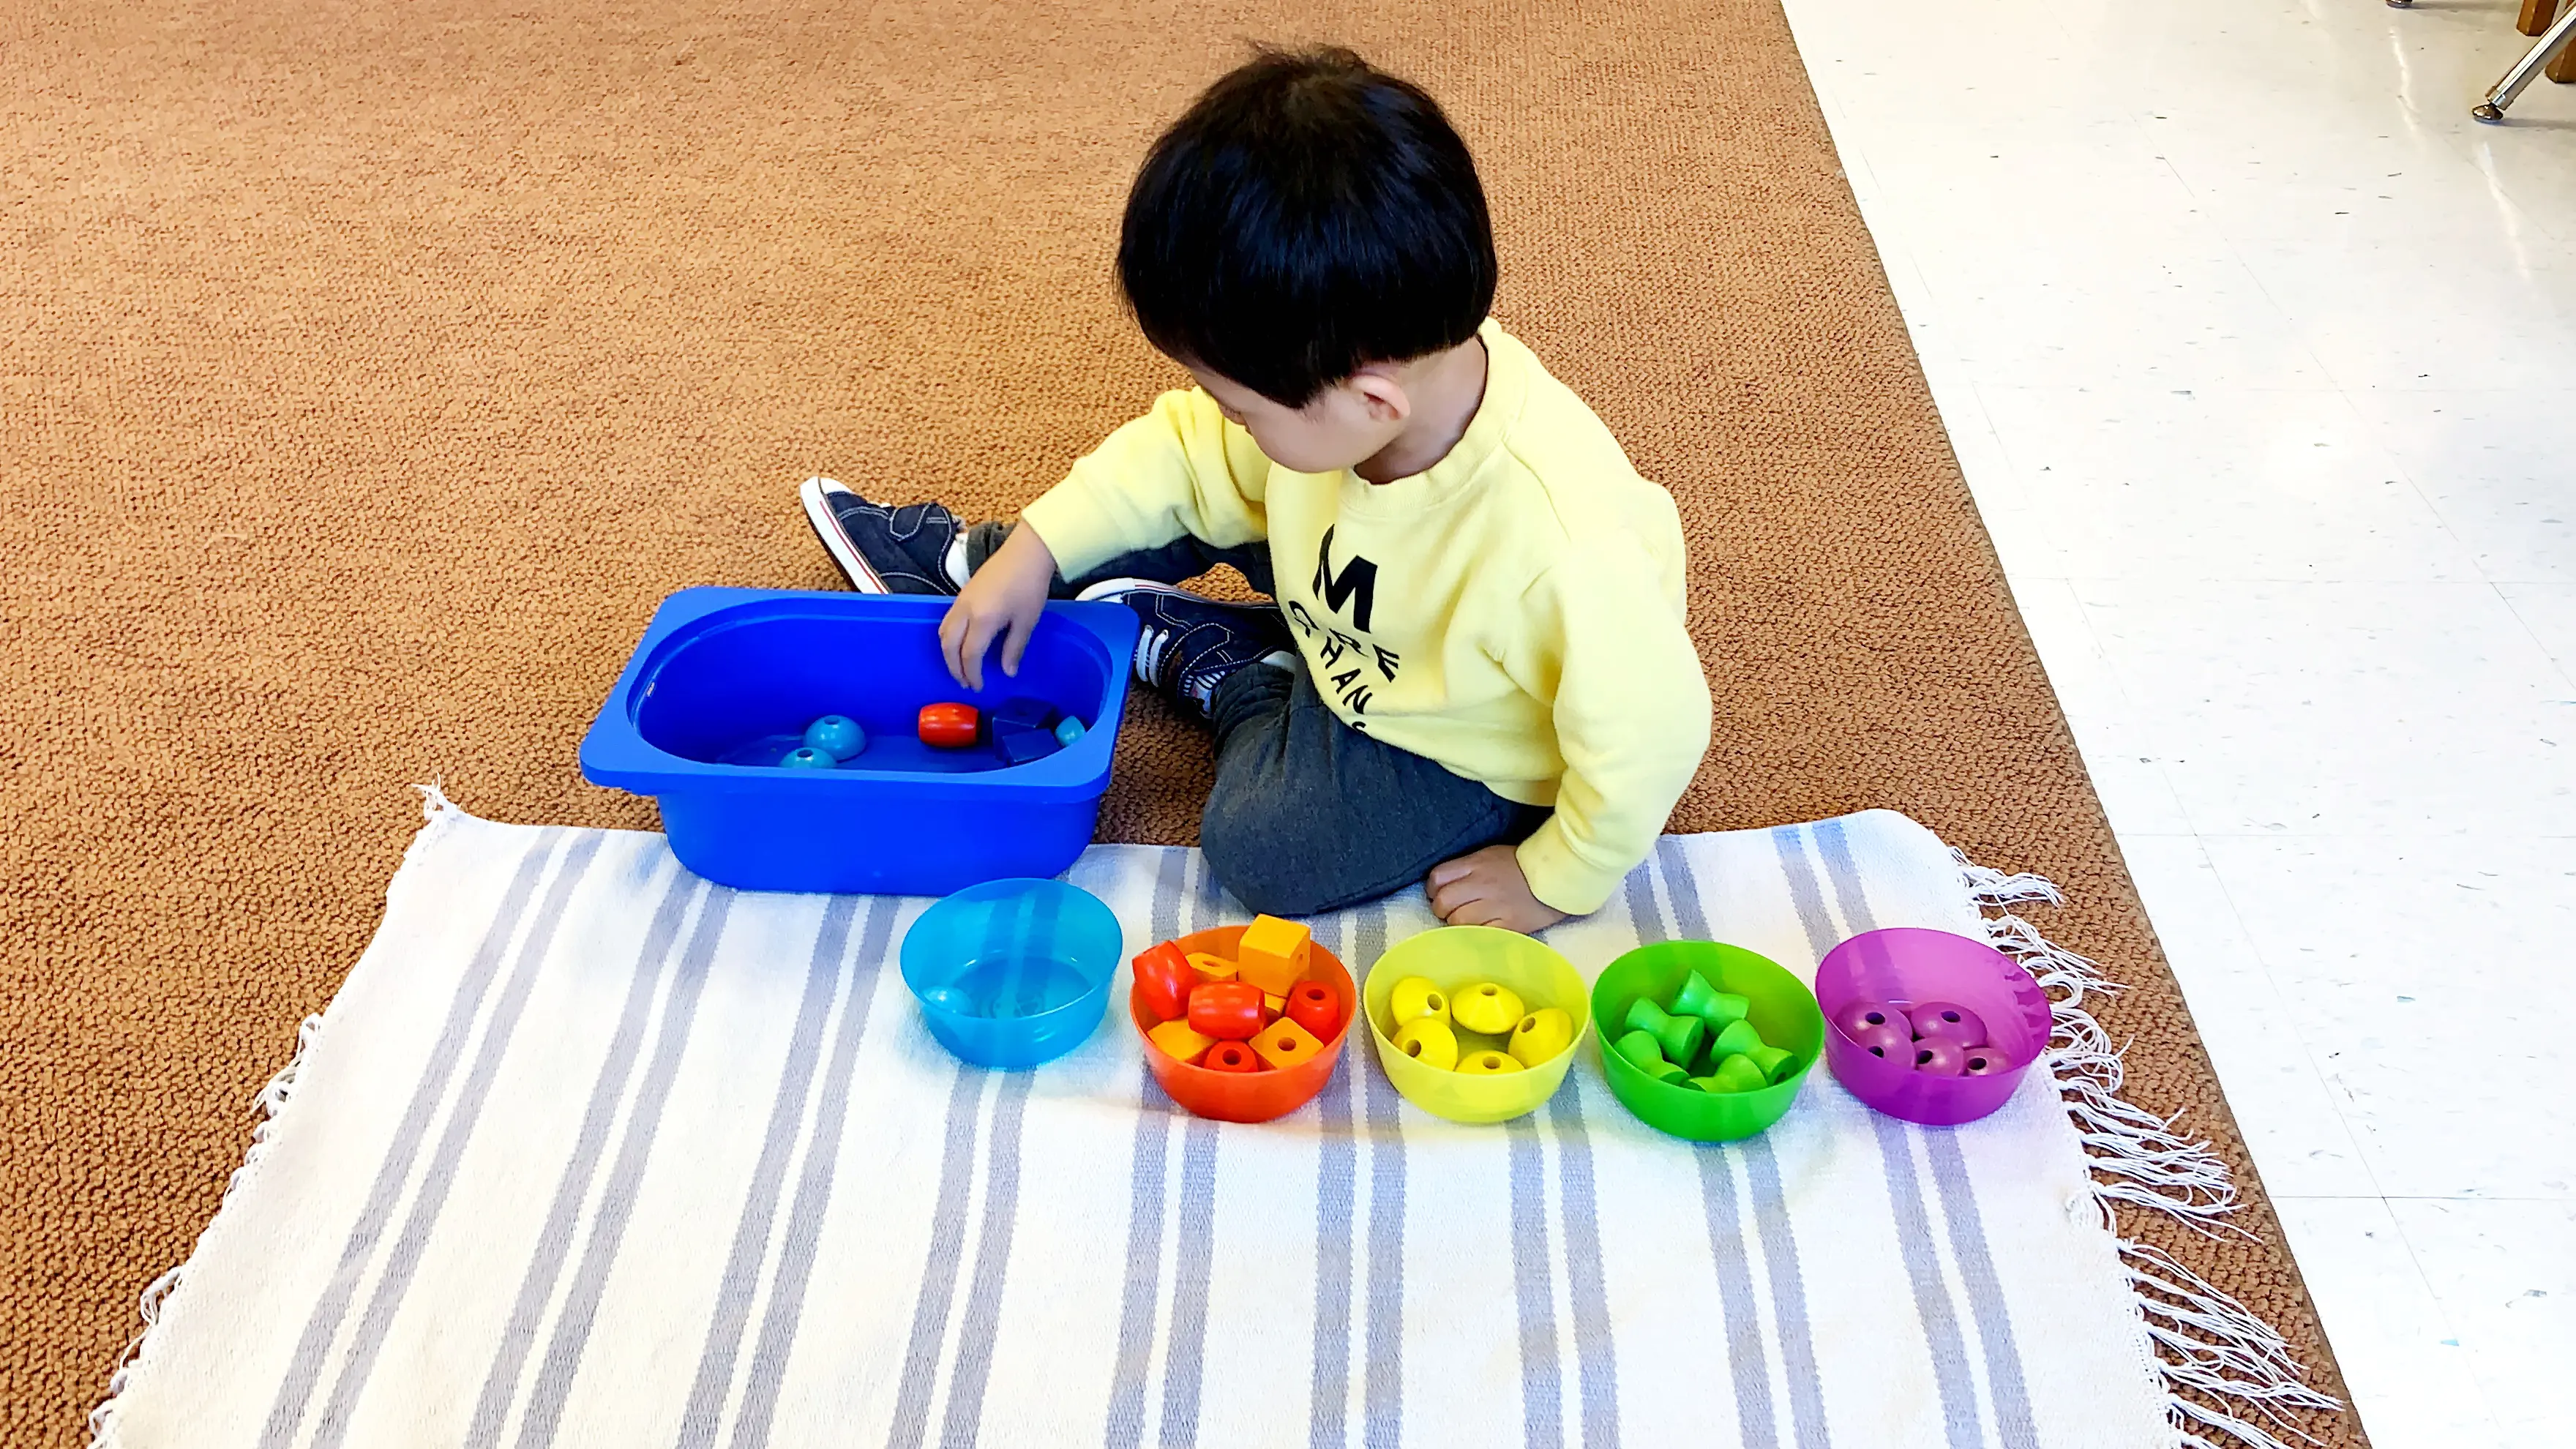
{"type": "Point", "coordinates": [1382, 395]}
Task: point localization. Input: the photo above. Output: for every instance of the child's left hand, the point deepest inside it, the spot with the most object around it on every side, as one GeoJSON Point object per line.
{"type": "Point", "coordinates": [1486, 888]}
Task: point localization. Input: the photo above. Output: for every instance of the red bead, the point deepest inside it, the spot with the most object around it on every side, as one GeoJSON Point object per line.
{"type": "Point", "coordinates": [1231, 1056]}
{"type": "Point", "coordinates": [948, 726]}
{"type": "Point", "coordinates": [1314, 1006]}
{"type": "Point", "coordinates": [1226, 1010]}
{"type": "Point", "coordinates": [1163, 981]}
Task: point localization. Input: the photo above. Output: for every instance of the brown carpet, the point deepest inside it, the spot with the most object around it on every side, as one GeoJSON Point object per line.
{"type": "Point", "coordinates": [371, 370]}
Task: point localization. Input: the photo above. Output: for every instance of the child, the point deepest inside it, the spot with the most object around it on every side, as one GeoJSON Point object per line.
{"type": "Point", "coordinates": [1476, 674]}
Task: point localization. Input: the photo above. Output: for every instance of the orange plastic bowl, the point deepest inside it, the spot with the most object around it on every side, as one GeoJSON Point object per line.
{"type": "Point", "coordinates": [1249, 1096]}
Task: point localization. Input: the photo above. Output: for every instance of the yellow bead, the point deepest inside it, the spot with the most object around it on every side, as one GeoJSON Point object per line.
{"type": "Point", "coordinates": [1211, 968]}
{"type": "Point", "coordinates": [1179, 1042]}
{"type": "Point", "coordinates": [1428, 1040]}
{"type": "Point", "coordinates": [1487, 1008]}
{"type": "Point", "coordinates": [1541, 1035]}
{"type": "Point", "coordinates": [1487, 1064]}
{"type": "Point", "coordinates": [1273, 1004]}
{"type": "Point", "coordinates": [1272, 954]}
{"type": "Point", "coordinates": [1415, 996]}
{"type": "Point", "coordinates": [1283, 1044]}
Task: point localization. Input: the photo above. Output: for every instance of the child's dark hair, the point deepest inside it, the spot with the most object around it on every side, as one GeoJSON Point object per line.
{"type": "Point", "coordinates": [1309, 214]}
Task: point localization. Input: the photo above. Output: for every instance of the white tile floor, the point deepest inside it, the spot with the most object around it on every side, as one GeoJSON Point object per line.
{"type": "Point", "coordinates": [2261, 358]}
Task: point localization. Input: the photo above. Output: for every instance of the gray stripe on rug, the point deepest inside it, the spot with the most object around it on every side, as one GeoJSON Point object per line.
{"type": "Point", "coordinates": [1194, 1257]}
{"type": "Point", "coordinates": [1770, 1203]}
{"type": "Point", "coordinates": [571, 1337]}
{"type": "Point", "coordinates": [1534, 1288]}
{"type": "Point", "coordinates": [304, 1368]}
{"type": "Point", "coordinates": [1382, 1409]}
{"type": "Point", "coordinates": [938, 1291]}
{"type": "Point", "coordinates": [1596, 1351]}
{"type": "Point", "coordinates": [563, 1215]}
{"type": "Point", "coordinates": [2010, 1396]}
{"type": "Point", "coordinates": [402, 1260]}
{"type": "Point", "coordinates": [1941, 1339]}
{"type": "Point", "coordinates": [938, 1286]}
{"type": "Point", "coordinates": [780, 1320]}
{"type": "Point", "coordinates": [1747, 1366]}
{"type": "Point", "coordinates": [1124, 1425]}
{"type": "Point", "coordinates": [973, 1368]}
{"type": "Point", "coordinates": [1329, 1405]}
{"type": "Point", "coordinates": [750, 1247]}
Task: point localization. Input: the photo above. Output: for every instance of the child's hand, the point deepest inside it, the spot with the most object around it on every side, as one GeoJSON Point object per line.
{"type": "Point", "coordinates": [1486, 888]}
{"type": "Point", "coordinates": [1001, 600]}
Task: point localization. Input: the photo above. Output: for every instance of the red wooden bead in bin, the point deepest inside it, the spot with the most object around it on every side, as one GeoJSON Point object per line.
{"type": "Point", "coordinates": [1260, 1095]}
{"type": "Point", "coordinates": [1231, 1056]}
{"type": "Point", "coordinates": [948, 726]}
{"type": "Point", "coordinates": [1226, 1010]}
{"type": "Point", "coordinates": [1163, 980]}
{"type": "Point", "coordinates": [1313, 1006]}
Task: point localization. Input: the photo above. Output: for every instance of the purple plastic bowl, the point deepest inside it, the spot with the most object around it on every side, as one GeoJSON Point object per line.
{"type": "Point", "coordinates": [1908, 963]}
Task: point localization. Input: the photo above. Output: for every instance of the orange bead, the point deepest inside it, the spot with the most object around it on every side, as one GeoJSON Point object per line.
{"type": "Point", "coordinates": [1273, 954]}
{"type": "Point", "coordinates": [1179, 1042]}
{"type": "Point", "coordinates": [1284, 1044]}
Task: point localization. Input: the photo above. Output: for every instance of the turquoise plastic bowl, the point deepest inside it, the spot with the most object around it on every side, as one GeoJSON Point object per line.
{"type": "Point", "coordinates": [1012, 973]}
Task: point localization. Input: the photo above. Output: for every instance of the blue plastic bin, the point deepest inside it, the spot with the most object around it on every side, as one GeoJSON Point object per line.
{"type": "Point", "coordinates": [1012, 973]}
{"type": "Point", "coordinates": [723, 674]}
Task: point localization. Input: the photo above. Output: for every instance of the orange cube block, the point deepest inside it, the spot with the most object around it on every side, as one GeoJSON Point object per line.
{"type": "Point", "coordinates": [1283, 1044]}
{"type": "Point", "coordinates": [1177, 1040]}
{"type": "Point", "coordinates": [1211, 968]}
{"type": "Point", "coordinates": [1273, 954]}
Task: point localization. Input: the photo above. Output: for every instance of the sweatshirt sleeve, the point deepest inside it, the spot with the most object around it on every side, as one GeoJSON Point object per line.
{"type": "Point", "coordinates": [1181, 468]}
{"type": "Point", "coordinates": [1602, 642]}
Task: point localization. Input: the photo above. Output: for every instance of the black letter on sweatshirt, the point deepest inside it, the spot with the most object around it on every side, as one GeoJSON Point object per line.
{"type": "Point", "coordinates": [1359, 576]}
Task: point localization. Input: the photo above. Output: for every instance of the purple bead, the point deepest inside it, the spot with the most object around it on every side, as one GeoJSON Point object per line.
{"type": "Point", "coordinates": [1860, 1016]}
{"type": "Point", "coordinates": [1948, 1021]}
{"type": "Point", "coordinates": [1985, 1061]}
{"type": "Point", "coordinates": [1940, 1057]}
{"type": "Point", "coordinates": [1887, 1042]}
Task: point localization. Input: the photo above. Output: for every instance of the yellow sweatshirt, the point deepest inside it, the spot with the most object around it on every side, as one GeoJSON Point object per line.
{"type": "Point", "coordinates": [1514, 613]}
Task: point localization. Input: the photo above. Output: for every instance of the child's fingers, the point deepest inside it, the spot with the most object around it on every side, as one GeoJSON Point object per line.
{"type": "Point", "coordinates": [1015, 642]}
{"type": "Point", "coordinates": [952, 636]}
{"type": "Point", "coordinates": [1461, 891]}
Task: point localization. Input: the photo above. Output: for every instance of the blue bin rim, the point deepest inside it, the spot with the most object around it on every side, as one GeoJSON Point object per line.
{"type": "Point", "coordinates": [1078, 900]}
{"type": "Point", "coordinates": [615, 753]}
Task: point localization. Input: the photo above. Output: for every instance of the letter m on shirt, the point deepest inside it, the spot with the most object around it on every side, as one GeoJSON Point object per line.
{"type": "Point", "coordinates": [1358, 577]}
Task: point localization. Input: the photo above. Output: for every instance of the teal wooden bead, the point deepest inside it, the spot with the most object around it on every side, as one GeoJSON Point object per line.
{"type": "Point", "coordinates": [1640, 1049]}
{"type": "Point", "coordinates": [836, 735]}
{"type": "Point", "coordinates": [1738, 1038]}
{"type": "Point", "coordinates": [1678, 1037]}
{"type": "Point", "coordinates": [1717, 1008]}
{"type": "Point", "coordinates": [806, 757]}
{"type": "Point", "coordinates": [1067, 730]}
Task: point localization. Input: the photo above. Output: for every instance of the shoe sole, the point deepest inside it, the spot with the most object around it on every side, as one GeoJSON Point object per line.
{"type": "Point", "coordinates": [827, 532]}
{"type": "Point", "coordinates": [1092, 593]}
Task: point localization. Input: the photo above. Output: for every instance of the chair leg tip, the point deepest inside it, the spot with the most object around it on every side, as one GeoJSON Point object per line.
{"type": "Point", "coordinates": [2489, 113]}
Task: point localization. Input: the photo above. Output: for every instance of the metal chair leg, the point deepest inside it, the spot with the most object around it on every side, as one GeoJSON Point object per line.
{"type": "Point", "coordinates": [2491, 110]}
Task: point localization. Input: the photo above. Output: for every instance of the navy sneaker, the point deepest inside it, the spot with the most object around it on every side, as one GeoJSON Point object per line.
{"type": "Point", "coordinates": [1191, 643]}
{"type": "Point", "coordinates": [906, 550]}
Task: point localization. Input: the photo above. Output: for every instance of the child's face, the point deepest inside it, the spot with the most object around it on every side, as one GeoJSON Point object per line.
{"type": "Point", "coordinates": [1346, 425]}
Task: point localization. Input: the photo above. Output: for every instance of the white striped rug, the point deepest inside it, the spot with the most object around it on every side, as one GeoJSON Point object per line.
{"type": "Point", "coordinates": [588, 1152]}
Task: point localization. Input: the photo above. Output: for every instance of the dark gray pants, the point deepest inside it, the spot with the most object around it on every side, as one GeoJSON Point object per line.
{"type": "Point", "coordinates": [1308, 815]}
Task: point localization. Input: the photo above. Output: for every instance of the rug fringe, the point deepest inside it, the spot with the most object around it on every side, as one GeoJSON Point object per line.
{"type": "Point", "coordinates": [2207, 1343]}
{"type": "Point", "coordinates": [270, 1100]}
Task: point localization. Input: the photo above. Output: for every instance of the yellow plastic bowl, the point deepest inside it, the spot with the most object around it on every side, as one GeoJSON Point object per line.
{"type": "Point", "coordinates": [1460, 956]}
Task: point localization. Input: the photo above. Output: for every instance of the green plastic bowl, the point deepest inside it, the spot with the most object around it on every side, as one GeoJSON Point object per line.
{"type": "Point", "coordinates": [1784, 1011]}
